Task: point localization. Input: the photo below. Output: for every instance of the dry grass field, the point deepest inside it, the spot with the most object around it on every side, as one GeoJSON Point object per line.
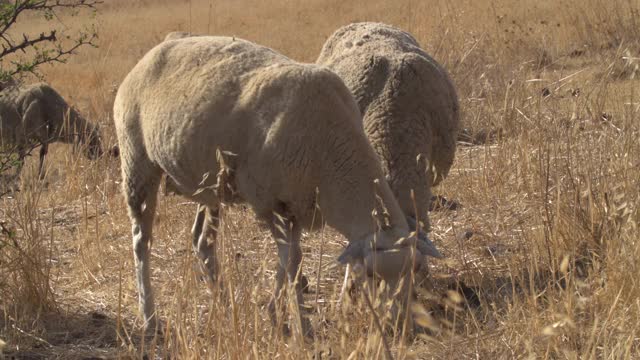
{"type": "Point", "coordinates": [541, 253]}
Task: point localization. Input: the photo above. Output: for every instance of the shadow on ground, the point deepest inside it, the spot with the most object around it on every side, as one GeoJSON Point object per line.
{"type": "Point", "coordinates": [87, 336]}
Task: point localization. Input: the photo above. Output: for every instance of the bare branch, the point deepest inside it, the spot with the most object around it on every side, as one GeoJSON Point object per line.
{"type": "Point", "coordinates": [39, 49]}
{"type": "Point", "coordinates": [27, 42]}
{"type": "Point", "coordinates": [9, 13]}
{"type": "Point", "coordinates": [57, 55]}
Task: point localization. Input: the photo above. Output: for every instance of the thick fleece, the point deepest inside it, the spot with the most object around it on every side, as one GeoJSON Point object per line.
{"type": "Point", "coordinates": [289, 129]}
{"type": "Point", "coordinates": [409, 106]}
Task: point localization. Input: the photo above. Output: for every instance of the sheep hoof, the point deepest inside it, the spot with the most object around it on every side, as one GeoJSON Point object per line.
{"type": "Point", "coordinates": [304, 284]}
{"type": "Point", "coordinates": [440, 203]}
{"type": "Point", "coordinates": [153, 327]}
{"type": "Point", "coordinates": [307, 329]}
{"type": "Point", "coordinates": [207, 275]}
{"type": "Point", "coordinates": [281, 324]}
{"type": "Point", "coordinates": [285, 331]}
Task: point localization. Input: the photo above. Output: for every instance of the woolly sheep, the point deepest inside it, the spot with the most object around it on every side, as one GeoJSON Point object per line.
{"type": "Point", "coordinates": [409, 106]}
{"type": "Point", "coordinates": [170, 187]}
{"type": "Point", "coordinates": [37, 115]}
{"type": "Point", "coordinates": [288, 129]}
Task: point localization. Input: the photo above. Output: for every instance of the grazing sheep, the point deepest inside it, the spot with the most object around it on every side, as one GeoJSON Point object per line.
{"type": "Point", "coordinates": [409, 106]}
{"type": "Point", "coordinates": [36, 114]}
{"type": "Point", "coordinates": [219, 114]}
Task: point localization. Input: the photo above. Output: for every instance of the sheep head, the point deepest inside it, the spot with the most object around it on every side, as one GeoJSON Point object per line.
{"type": "Point", "coordinates": [93, 149]}
{"type": "Point", "coordinates": [424, 244]}
{"type": "Point", "coordinates": [390, 250]}
{"type": "Point", "coordinates": [386, 253]}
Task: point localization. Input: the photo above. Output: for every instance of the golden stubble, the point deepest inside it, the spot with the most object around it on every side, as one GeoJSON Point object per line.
{"type": "Point", "coordinates": [541, 253]}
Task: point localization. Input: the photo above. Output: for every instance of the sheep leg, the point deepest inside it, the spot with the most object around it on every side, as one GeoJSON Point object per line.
{"type": "Point", "coordinates": [294, 272]}
{"type": "Point", "coordinates": [35, 119]}
{"type": "Point", "coordinates": [22, 154]}
{"type": "Point", "coordinates": [425, 245]}
{"type": "Point", "coordinates": [275, 307]}
{"type": "Point", "coordinates": [169, 186]}
{"type": "Point", "coordinates": [141, 199]}
{"type": "Point", "coordinates": [287, 235]}
{"type": "Point", "coordinates": [279, 229]}
{"type": "Point", "coordinates": [44, 149]}
{"type": "Point", "coordinates": [196, 229]}
{"type": "Point", "coordinates": [400, 308]}
{"type": "Point", "coordinates": [204, 227]}
{"type": "Point", "coordinates": [345, 284]}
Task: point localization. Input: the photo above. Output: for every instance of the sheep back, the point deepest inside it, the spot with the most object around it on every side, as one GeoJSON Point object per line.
{"type": "Point", "coordinates": [292, 128]}
{"type": "Point", "coordinates": [175, 35]}
{"type": "Point", "coordinates": [408, 102]}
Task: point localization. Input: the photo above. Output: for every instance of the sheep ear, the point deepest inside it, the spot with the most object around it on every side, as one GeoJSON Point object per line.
{"type": "Point", "coordinates": [424, 244]}
{"type": "Point", "coordinates": [427, 247]}
{"type": "Point", "coordinates": [114, 151]}
{"type": "Point", "coordinates": [354, 251]}
{"type": "Point", "coordinates": [379, 220]}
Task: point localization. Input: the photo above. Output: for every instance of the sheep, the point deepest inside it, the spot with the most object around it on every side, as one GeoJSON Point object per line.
{"type": "Point", "coordinates": [235, 122]}
{"type": "Point", "coordinates": [170, 187]}
{"type": "Point", "coordinates": [36, 114]}
{"type": "Point", "coordinates": [409, 106]}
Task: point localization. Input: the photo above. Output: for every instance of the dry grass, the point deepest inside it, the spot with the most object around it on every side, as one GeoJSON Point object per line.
{"type": "Point", "coordinates": [542, 254]}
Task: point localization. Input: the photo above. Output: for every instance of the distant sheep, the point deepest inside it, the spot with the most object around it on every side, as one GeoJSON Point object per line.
{"type": "Point", "coordinates": [36, 114]}
{"type": "Point", "coordinates": [409, 106]}
{"type": "Point", "coordinates": [281, 129]}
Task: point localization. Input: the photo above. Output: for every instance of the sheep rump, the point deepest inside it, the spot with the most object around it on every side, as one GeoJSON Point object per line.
{"type": "Point", "coordinates": [408, 102]}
